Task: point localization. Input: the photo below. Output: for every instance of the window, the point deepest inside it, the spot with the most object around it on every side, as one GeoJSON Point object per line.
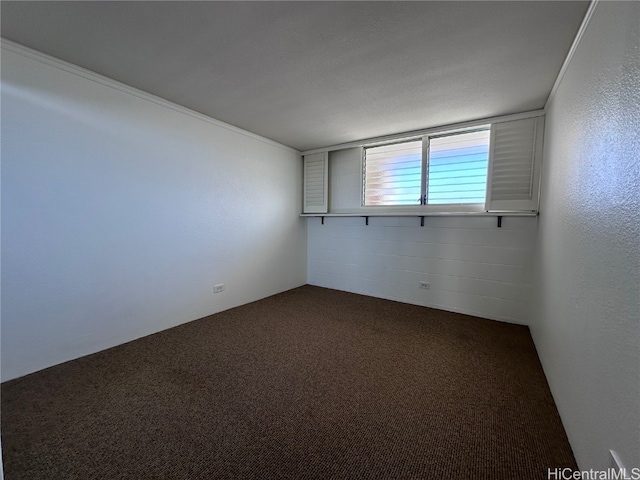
{"type": "Point", "coordinates": [492, 165]}
{"type": "Point", "coordinates": [448, 168]}
{"type": "Point", "coordinates": [393, 174]}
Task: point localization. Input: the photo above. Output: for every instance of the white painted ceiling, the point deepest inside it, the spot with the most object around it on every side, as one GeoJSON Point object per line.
{"type": "Point", "coordinates": [313, 74]}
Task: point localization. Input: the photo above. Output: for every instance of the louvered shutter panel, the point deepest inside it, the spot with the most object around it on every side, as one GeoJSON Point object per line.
{"type": "Point", "coordinates": [316, 178]}
{"type": "Point", "coordinates": [514, 165]}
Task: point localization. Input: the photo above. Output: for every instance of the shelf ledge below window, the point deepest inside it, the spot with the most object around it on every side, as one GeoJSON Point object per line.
{"type": "Point", "coordinates": [425, 214]}
{"type": "Point", "coordinates": [421, 215]}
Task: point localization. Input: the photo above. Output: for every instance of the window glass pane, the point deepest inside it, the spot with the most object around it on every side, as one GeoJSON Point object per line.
{"type": "Point", "coordinates": [458, 168]}
{"type": "Point", "coordinates": [393, 174]}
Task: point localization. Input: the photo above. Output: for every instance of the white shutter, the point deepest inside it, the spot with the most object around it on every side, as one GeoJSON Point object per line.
{"type": "Point", "coordinates": [515, 160]}
{"type": "Point", "coordinates": [316, 178]}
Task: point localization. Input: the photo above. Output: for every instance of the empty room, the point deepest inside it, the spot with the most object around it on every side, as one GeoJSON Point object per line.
{"type": "Point", "coordinates": [320, 240]}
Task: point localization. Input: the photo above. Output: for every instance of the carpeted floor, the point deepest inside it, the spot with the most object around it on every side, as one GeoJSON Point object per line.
{"type": "Point", "coordinates": [308, 384]}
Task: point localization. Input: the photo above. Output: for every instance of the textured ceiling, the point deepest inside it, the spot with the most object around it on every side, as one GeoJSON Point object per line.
{"type": "Point", "coordinates": [313, 74]}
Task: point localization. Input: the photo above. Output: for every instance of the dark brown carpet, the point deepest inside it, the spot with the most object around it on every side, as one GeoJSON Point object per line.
{"type": "Point", "coordinates": [308, 384]}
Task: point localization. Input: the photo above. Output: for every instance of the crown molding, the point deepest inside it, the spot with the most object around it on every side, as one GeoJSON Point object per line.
{"type": "Point", "coordinates": [73, 69]}
{"type": "Point", "coordinates": [583, 26]}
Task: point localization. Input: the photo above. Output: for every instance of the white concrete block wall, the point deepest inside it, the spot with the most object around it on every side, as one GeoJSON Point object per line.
{"type": "Point", "coordinates": [473, 267]}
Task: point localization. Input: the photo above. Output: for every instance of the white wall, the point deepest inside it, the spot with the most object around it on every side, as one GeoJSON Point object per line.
{"type": "Point", "coordinates": [345, 180]}
{"type": "Point", "coordinates": [586, 325]}
{"type": "Point", "coordinates": [121, 211]}
{"type": "Point", "coordinates": [473, 266]}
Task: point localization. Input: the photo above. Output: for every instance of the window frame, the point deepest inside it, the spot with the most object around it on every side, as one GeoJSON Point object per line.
{"type": "Point", "coordinates": [384, 144]}
{"type": "Point", "coordinates": [425, 207]}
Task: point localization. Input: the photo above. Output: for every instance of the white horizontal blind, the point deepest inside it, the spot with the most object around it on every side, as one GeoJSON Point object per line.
{"type": "Point", "coordinates": [458, 168]}
{"type": "Point", "coordinates": [393, 174]}
{"type": "Point", "coordinates": [514, 166]}
{"type": "Point", "coordinates": [316, 177]}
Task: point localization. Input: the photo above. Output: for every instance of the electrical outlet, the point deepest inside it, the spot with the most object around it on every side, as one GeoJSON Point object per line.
{"type": "Point", "coordinates": [218, 288]}
{"type": "Point", "coordinates": [425, 285]}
